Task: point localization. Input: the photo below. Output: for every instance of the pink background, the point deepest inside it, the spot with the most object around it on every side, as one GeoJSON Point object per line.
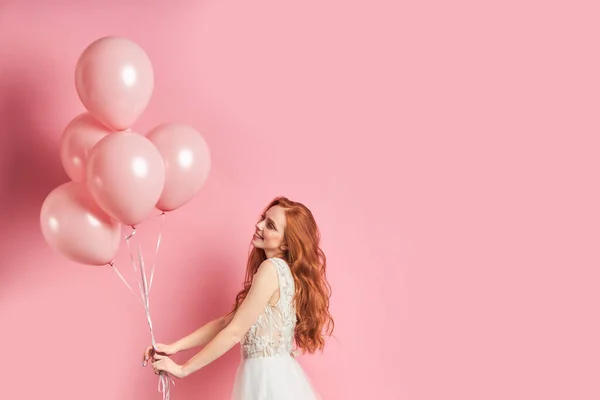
{"type": "Point", "coordinates": [449, 151]}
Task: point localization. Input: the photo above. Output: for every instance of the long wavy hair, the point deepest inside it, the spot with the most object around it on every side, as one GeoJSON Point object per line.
{"type": "Point", "coordinates": [308, 265]}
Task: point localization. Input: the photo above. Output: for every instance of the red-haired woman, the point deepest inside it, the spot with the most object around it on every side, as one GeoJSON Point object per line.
{"type": "Point", "coordinates": [283, 307]}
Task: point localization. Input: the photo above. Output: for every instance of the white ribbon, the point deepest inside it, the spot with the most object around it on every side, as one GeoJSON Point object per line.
{"type": "Point", "coordinates": [165, 381]}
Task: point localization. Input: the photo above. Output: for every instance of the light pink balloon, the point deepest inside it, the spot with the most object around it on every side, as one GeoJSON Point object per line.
{"type": "Point", "coordinates": [126, 176]}
{"type": "Point", "coordinates": [77, 141]}
{"type": "Point", "coordinates": [114, 80]}
{"type": "Point", "coordinates": [74, 226]}
{"type": "Point", "coordinates": [187, 163]}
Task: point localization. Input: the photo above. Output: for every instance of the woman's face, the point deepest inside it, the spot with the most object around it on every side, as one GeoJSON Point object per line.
{"type": "Point", "coordinates": [269, 234]}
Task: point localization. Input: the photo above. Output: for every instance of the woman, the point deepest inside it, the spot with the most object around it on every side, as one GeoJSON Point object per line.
{"type": "Point", "coordinates": [285, 299]}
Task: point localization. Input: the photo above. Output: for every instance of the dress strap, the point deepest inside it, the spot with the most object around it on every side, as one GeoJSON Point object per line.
{"type": "Point", "coordinates": [286, 283]}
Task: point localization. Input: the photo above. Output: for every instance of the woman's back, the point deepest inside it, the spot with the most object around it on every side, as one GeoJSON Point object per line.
{"type": "Point", "coordinates": [268, 370]}
{"type": "Point", "coordinates": [273, 333]}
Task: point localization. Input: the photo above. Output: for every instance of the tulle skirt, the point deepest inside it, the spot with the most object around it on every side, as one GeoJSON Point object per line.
{"type": "Point", "coordinates": [272, 378]}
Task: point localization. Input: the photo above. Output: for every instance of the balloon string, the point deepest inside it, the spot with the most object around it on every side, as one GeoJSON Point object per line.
{"type": "Point", "coordinates": [112, 264]}
{"type": "Point", "coordinates": [165, 380]}
{"type": "Point", "coordinates": [127, 238]}
{"type": "Point", "coordinates": [162, 220]}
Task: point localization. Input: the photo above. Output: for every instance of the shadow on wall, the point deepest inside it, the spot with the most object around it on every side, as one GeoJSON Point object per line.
{"type": "Point", "coordinates": [209, 292]}
{"type": "Point", "coordinates": [30, 167]}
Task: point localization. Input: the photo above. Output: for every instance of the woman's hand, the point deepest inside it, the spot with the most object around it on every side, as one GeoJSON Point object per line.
{"type": "Point", "coordinates": [163, 349]}
{"type": "Point", "coordinates": [164, 363]}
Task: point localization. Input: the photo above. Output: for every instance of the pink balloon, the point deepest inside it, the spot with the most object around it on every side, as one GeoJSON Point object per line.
{"type": "Point", "coordinates": [77, 141]}
{"type": "Point", "coordinates": [114, 80]}
{"type": "Point", "coordinates": [126, 176]}
{"type": "Point", "coordinates": [74, 226]}
{"type": "Point", "coordinates": [187, 163]}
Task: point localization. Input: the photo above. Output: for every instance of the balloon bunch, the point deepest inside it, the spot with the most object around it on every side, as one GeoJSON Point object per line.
{"type": "Point", "coordinates": [118, 177]}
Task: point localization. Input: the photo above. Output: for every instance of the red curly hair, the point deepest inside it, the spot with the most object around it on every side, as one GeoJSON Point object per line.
{"type": "Point", "coordinates": [308, 265]}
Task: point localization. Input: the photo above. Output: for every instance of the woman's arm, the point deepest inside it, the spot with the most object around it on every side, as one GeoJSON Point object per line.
{"type": "Point", "coordinates": [264, 284]}
{"type": "Point", "coordinates": [204, 334]}
{"type": "Point", "coordinates": [199, 337]}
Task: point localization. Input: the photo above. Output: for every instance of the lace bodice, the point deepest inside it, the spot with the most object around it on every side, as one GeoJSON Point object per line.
{"type": "Point", "coordinates": [273, 333]}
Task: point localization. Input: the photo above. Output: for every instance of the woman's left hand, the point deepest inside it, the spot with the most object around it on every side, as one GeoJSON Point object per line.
{"type": "Point", "coordinates": [164, 363]}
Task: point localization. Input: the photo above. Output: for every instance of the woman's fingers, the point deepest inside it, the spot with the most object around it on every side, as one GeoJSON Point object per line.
{"type": "Point", "coordinates": [147, 354]}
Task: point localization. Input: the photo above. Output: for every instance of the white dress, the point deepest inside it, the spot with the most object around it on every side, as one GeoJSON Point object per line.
{"type": "Point", "coordinates": [268, 370]}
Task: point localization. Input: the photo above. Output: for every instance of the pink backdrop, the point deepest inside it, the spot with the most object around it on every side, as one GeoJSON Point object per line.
{"type": "Point", "coordinates": [449, 151]}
